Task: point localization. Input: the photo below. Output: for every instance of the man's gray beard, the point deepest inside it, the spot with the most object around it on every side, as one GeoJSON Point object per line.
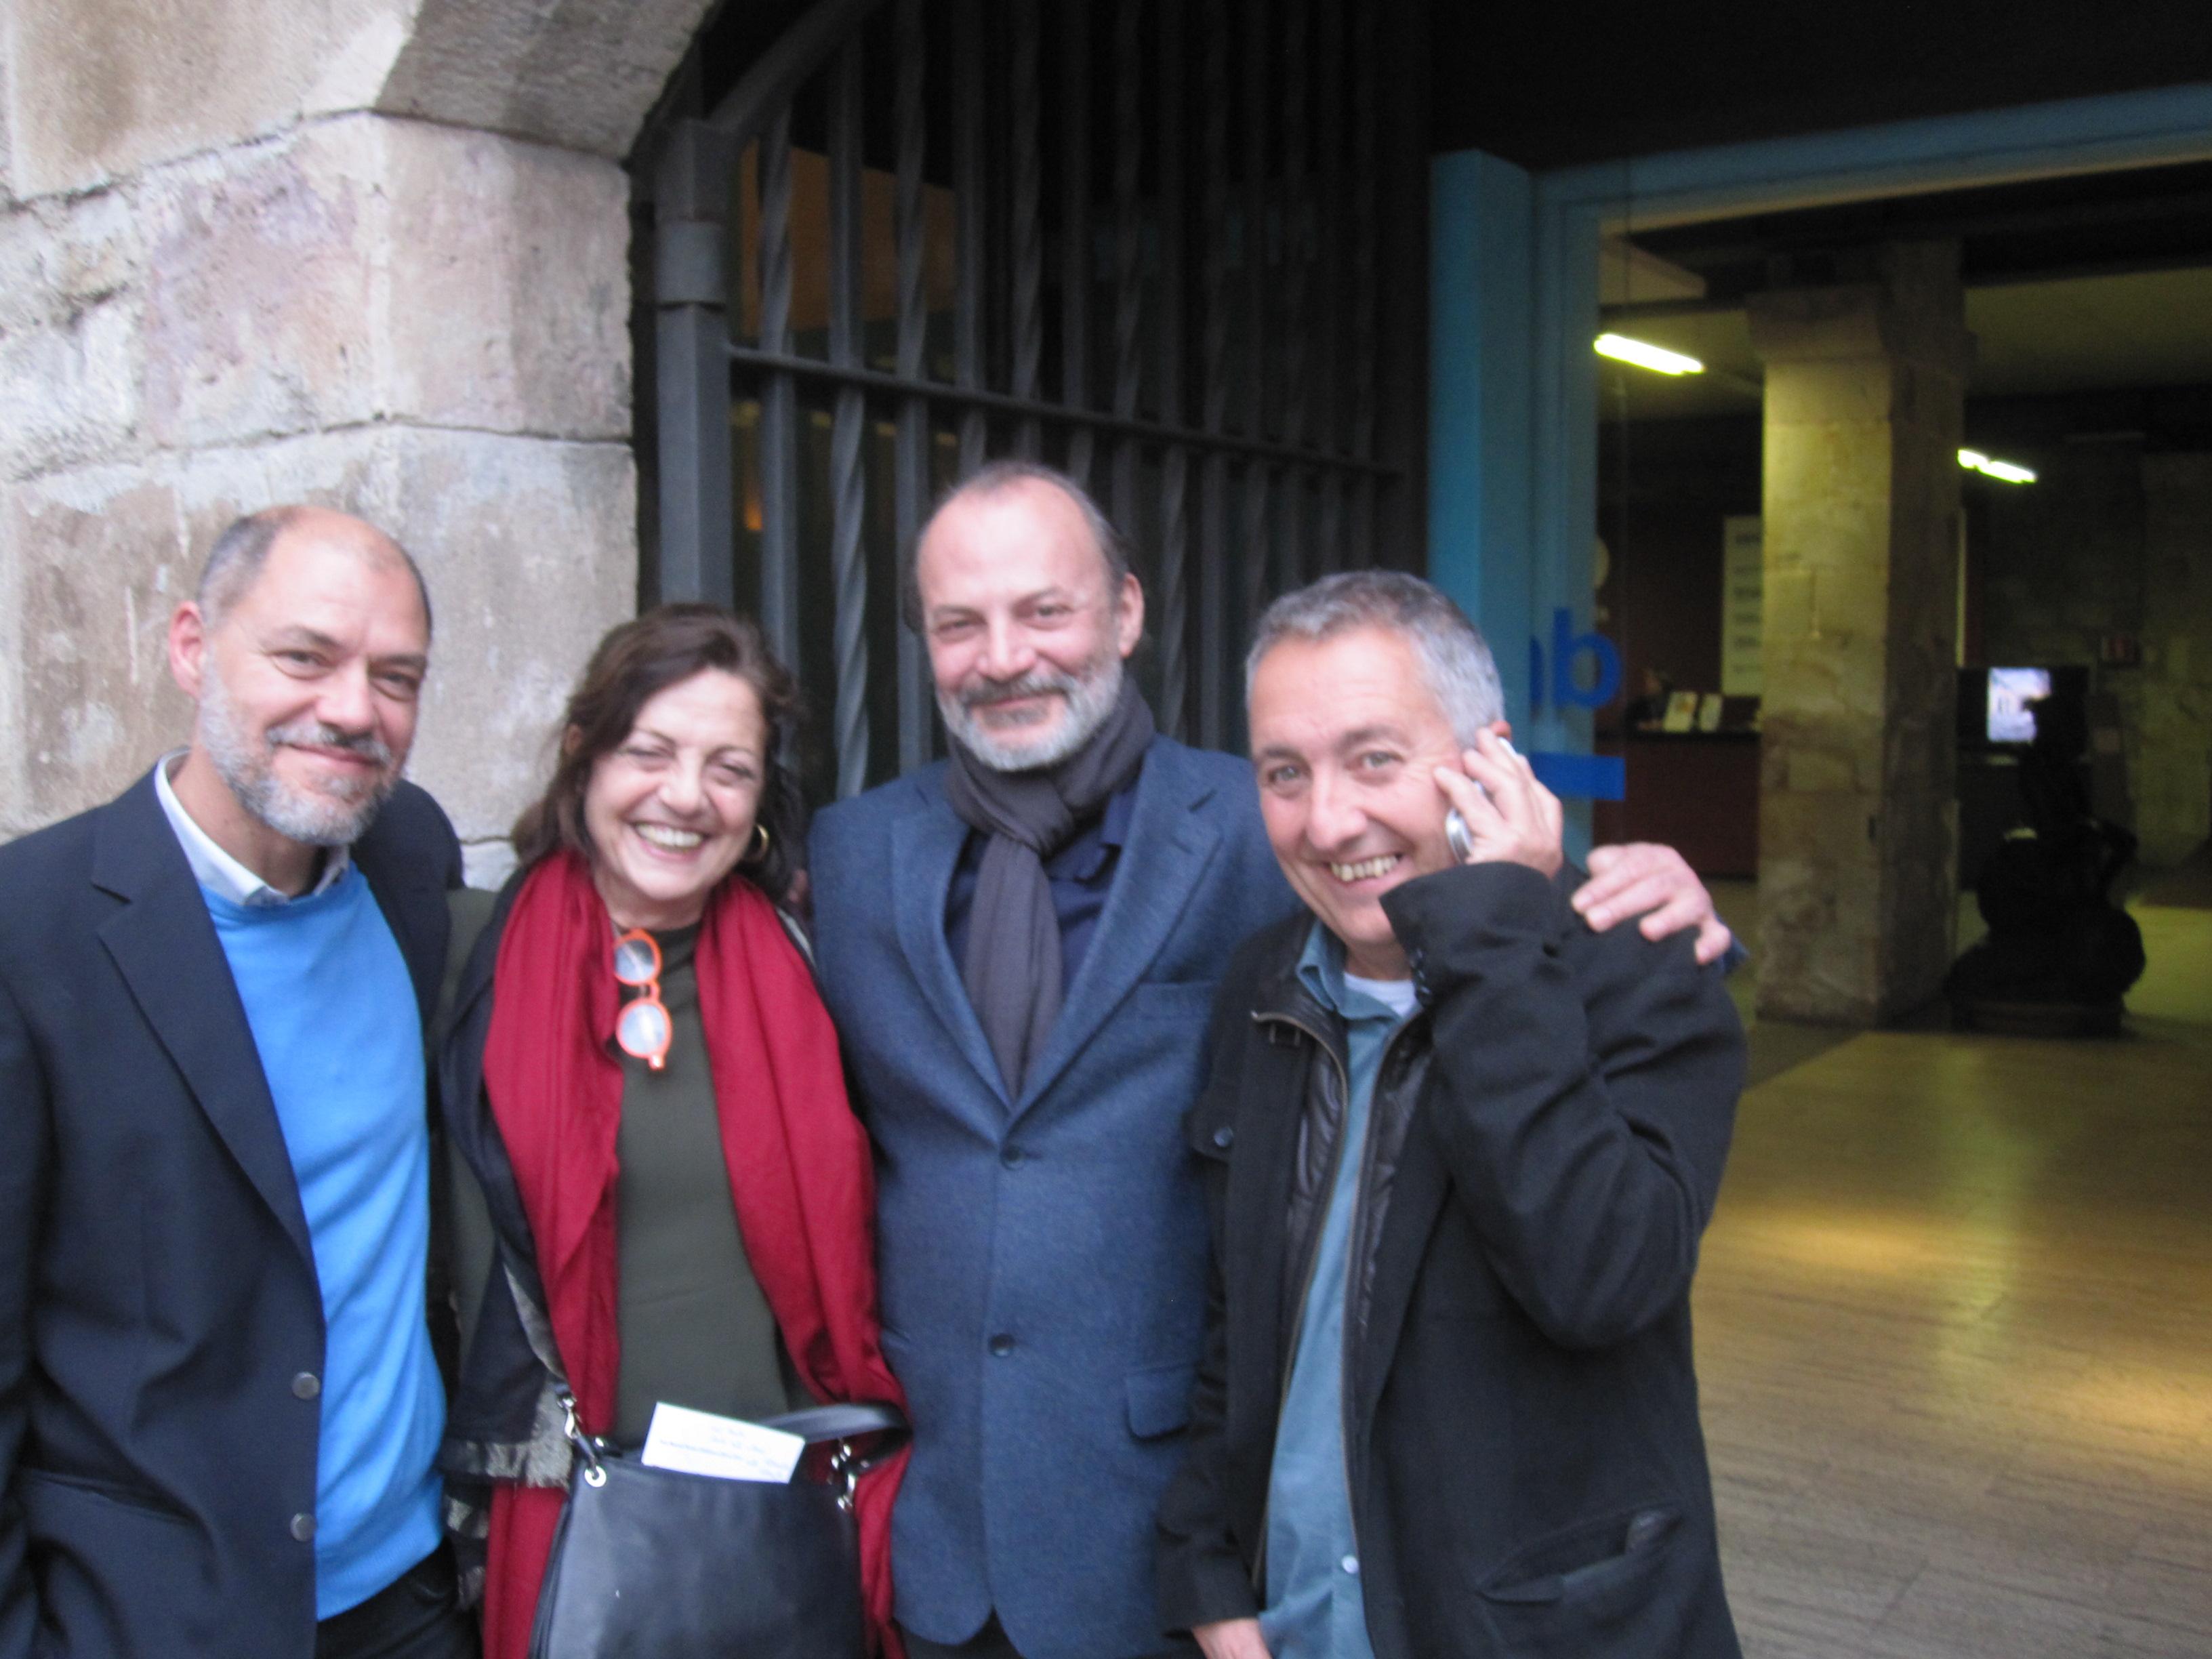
{"type": "Point", "coordinates": [1091, 698]}
{"type": "Point", "coordinates": [243, 764]}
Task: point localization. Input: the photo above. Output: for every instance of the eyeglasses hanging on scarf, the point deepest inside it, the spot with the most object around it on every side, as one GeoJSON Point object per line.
{"type": "Point", "coordinates": [642, 1030]}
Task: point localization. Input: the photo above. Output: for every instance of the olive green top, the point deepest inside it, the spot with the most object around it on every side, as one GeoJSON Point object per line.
{"type": "Point", "coordinates": [694, 1327]}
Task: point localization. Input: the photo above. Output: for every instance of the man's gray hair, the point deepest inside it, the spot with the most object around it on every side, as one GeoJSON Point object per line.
{"type": "Point", "coordinates": [988, 480]}
{"type": "Point", "coordinates": [243, 547]}
{"type": "Point", "coordinates": [1453, 657]}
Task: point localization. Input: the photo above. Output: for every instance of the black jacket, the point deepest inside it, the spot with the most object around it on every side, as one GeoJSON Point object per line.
{"type": "Point", "coordinates": [1527, 1469]}
{"type": "Point", "coordinates": [159, 1308]}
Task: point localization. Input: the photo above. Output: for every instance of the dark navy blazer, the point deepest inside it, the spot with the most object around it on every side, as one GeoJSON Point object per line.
{"type": "Point", "coordinates": [1042, 1259]}
{"type": "Point", "coordinates": [160, 1318]}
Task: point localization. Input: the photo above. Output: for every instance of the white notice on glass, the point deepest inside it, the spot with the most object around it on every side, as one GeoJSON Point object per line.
{"type": "Point", "coordinates": [700, 1443]}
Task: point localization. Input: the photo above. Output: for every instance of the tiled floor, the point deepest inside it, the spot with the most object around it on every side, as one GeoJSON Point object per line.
{"type": "Point", "coordinates": [1954, 1329]}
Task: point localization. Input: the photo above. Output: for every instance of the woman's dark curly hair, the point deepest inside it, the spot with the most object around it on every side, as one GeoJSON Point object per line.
{"type": "Point", "coordinates": [635, 662]}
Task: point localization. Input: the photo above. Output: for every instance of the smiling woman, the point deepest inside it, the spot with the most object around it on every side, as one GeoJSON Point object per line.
{"type": "Point", "coordinates": [661, 1166]}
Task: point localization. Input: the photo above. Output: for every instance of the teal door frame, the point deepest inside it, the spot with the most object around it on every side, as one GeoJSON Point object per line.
{"type": "Point", "coordinates": [1514, 307]}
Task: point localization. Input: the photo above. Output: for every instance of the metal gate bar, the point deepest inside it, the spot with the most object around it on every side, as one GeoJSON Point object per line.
{"type": "Point", "coordinates": [910, 444]}
{"type": "Point", "coordinates": [1174, 526]}
{"type": "Point", "coordinates": [1075, 226]}
{"type": "Point", "coordinates": [848, 480]}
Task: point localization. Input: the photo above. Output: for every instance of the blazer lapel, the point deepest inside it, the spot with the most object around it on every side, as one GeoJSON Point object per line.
{"type": "Point", "coordinates": [1171, 843]}
{"type": "Point", "coordinates": [926, 845]}
{"type": "Point", "coordinates": [408, 893]}
{"type": "Point", "coordinates": [164, 945]}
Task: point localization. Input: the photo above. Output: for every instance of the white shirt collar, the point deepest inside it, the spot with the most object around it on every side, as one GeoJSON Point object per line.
{"type": "Point", "coordinates": [215, 869]}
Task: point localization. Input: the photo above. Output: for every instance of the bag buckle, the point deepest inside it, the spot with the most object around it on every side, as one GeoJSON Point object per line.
{"type": "Point", "coordinates": [595, 1472]}
{"type": "Point", "coordinates": [845, 1474]}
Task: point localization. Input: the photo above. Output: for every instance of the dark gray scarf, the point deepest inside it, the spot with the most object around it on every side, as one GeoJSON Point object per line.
{"type": "Point", "coordinates": [1012, 970]}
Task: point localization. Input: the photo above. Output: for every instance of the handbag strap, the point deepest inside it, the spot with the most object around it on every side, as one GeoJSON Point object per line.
{"type": "Point", "coordinates": [842, 1421]}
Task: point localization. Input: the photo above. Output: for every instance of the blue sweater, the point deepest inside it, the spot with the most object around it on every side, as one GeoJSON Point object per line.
{"type": "Point", "coordinates": [334, 1019]}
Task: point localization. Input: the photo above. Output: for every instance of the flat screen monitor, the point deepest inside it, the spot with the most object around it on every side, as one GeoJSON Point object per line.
{"type": "Point", "coordinates": [2011, 691]}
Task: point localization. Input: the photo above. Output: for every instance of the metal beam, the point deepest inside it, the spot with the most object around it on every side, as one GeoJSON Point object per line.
{"type": "Point", "coordinates": [982, 401]}
{"type": "Point", "coordinates": [691, 376]}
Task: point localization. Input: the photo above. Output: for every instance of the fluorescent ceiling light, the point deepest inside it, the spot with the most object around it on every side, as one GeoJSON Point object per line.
{"type": "Point", "coordinates": [1658, 359]}
{"type": "Point", "coordinates": [1974, 461]}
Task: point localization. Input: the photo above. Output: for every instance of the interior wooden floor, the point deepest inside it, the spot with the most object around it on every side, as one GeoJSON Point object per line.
{"type": "Point", "coordinates": [1954, 1331]}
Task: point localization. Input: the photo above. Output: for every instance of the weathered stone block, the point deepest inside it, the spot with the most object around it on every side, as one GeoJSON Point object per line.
{"type": "Point", "coordinates": [8, 194]}
{"type": "Point", "coordinates": [69, 353]}
{"type": "Point", "coordinates": [575, 73]}
{"type": "Point", "coordinates": [102, 88]}
{"type": "Point", "coordinates": [530, 550]}
{"type": "Point", "coordinates": [509, 304]}
{"type": "Point", "coordinates": [69, 387]}
{"type": "Point", "coordinates": [366, 269]}
{"type": "Point", "coordinates": [94, 562]}
{"type": "Point", "coordinates": [264, 301]}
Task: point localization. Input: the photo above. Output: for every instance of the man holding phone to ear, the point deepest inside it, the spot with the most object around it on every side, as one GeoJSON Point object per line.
{"type": "Point", "coordinates": [1458, 1151]}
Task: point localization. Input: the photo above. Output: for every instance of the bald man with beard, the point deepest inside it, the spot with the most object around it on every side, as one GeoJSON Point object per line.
{"type": "Point", "coordinates": [219, 1404]}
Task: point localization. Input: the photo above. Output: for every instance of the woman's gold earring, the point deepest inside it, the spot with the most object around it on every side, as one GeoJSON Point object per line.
{"type": "Point", "coordinates": [755, 856]}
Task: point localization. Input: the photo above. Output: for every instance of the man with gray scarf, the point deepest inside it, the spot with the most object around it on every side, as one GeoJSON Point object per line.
{"type": "Point", "coordinates": [1021, 946]}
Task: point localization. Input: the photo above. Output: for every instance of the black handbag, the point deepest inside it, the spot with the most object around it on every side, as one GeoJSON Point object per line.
{"type": "Point", "coordinates": [658, 1564]}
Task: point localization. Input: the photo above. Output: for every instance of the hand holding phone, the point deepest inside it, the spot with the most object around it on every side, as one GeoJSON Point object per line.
{"type": "Point", "coordinates": [1496, 809]}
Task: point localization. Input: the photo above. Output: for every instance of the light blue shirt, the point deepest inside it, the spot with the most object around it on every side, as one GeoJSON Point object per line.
{"type": "Point", "coordinates": [1315, 1609]}
{"type": "Point", "coordinates": [335, 1021]}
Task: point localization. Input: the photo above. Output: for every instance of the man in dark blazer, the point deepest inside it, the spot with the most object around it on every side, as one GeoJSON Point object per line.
{"type": "Point", "coordinates": [1459, 1151]}
{"type": "Point", "coordinates": [218, 1402]}
{"type": "Point", "coordinates": [1020, 947]}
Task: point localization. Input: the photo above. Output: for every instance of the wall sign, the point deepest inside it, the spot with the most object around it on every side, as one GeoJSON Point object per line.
{"type": "Point", "coordinates": [1743, 585]}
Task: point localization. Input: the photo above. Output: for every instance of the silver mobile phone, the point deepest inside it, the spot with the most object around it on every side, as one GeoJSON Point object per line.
{"type": "Point", "coordinates": [1456, 833]}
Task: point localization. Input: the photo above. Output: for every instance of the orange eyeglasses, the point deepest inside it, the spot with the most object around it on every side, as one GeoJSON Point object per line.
{"type": "Point", "coordinates": [642, 1030]}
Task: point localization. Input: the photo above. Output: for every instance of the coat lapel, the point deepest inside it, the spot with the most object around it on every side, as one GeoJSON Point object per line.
{"type": "Point", "coordinates": [1418, 1193]}
{"type": "Point", "coordinates": [926, 845]}
{"type": "Point", "coordinates": [412, 897]}
{"type": "Point", "coordinates": [164, 945]}
{"type": "Point", "coordinates": [1169, 845]}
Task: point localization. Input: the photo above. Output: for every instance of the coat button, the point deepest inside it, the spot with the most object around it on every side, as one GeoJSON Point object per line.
{"type": "Point", "coordinates": [1002, 1345]}
{"type": "Point", "coordinates": [1350, 1566]}
{"type": "Point", "coordinates": [1223, 1136]}
{"type": "Point", "coordinates": [1012, 1156]}
{"type": "Point", "coordinates": [306, 1385]}
{"type": "Point", "coordinates": [303, 1527]}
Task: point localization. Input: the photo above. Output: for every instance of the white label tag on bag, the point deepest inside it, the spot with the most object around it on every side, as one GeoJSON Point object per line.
{"type": "Point", "coordinates": [700, 1443]}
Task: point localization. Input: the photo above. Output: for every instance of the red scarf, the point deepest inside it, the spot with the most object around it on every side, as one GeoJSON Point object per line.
{"type": "Point", "coordinates": [799, 1172]}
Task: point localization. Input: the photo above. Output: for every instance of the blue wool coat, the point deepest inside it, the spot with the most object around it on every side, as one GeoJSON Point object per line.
{"type": "Point", "coordinates": [1043, 1259]}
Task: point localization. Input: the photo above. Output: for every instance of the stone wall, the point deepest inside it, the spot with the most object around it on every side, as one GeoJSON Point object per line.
{"type": "Point", "coordinates": [367, 253]}
{"type": "Point", "coordinates": [2110, 540]}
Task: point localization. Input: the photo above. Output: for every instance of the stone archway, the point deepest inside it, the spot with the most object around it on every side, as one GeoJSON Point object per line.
{"type": "Point", "coordinates": [364, 252]}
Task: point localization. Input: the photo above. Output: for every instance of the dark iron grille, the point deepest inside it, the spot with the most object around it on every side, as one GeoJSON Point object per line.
{"type": "Point", "coordinates": [1137, 238]}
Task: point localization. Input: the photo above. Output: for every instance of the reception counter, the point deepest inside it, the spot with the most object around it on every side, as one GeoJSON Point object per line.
{"type": "Point", "coordinates": [1695, 791]}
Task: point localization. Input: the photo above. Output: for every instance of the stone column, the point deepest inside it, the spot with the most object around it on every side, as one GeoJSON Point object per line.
{"type": "Point", "coordinates": [2171, 761]}
{"type": "Point", "coordinates": [1858, 822]}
